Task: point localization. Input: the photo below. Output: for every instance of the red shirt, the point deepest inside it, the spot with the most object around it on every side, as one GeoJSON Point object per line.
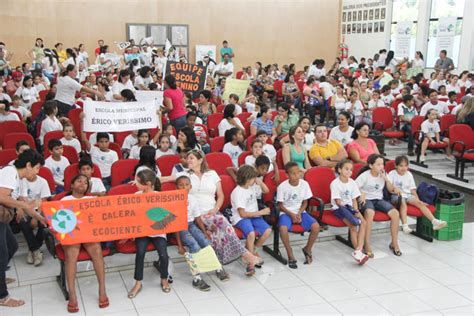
{"type": "Point", "coordinates": [97, 51]}
{"type": "Point", "coordinates": [177, 99]}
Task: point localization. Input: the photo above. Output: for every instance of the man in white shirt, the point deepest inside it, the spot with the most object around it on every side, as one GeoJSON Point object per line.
{"type": "Point", "coordinates": [224, 69]}
{"type": "Point", "coordinates": [441, 107]}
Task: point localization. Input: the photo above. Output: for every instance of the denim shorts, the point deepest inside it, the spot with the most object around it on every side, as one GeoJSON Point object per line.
{"type": "Point", "coordinates": [394, 199]}
{"type": "Point", "coordinates": [248, 225]}
{"type": "Point", "coordinates": [306, 221]}
{"type": "Point", "coordinates": [193, 238]}
{"type": "Point", "coordinates": [347, 212]}
{"type": "Point", "coordinates": [379, 205]}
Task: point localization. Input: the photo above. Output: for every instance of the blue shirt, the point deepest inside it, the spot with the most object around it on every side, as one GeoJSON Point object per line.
{"type": "Point", "coordinates": [260, 125]}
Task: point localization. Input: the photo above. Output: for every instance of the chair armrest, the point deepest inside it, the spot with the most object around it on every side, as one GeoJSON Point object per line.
{"type": "Point", "coordinates": [459, 143]}
{"type": "Point", "coordinates": [320, 206]}
{"type": "Point", "coordinates": [374, 126]}
{"type": "Point", "coordinates": [50, 241]}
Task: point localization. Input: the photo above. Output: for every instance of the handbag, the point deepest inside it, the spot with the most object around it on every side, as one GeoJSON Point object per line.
{"type": "Point", "coordinates": [6, 214]}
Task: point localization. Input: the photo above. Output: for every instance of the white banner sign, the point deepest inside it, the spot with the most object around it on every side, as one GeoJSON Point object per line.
{"type": "Point", "coordinates": [403, 39]}
{"type": "Point", "coordinates": [119, 116]}
{"type": "Point", "coordinates": [155, 96]}
{"type": "Point", "coordinates": [205, 50]}
{"type": "Point", "coordinates": [445, 34]}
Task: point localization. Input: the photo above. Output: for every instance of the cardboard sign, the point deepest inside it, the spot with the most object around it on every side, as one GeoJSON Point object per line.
{"type": "Point", "coordinates": [236, 86]}
{"type": "Point", "coordinates": [189, 77]}
{"type": "Point", "coordinates": [117, 217]}
{"type": "Point", "coordinates": [119, 116]}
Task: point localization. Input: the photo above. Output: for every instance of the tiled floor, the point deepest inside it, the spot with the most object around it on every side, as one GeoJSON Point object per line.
{"type": "Point", "coordinates": [428, 279]}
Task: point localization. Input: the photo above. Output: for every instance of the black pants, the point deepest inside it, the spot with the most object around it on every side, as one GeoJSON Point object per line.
{"type": "Point", "coordinates": [8, 247]}
{"type": "Point", "coordinates": [63, 109]}
{"type": "Point", "coordinates": [311, 111]}
{"type": "Point", "coordinates": [160, 244]}
{"type": "Point", "coordinates": [34, 241]}
{"type": "Point", "coordinates": [407, 129]}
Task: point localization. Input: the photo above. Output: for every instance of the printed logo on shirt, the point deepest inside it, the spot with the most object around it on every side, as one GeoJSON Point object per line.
{"type": "Point", "coordinates": [102, 158]}
{"type": "Point", "coordinates": [346, 195]}
{"type": "Point", "coordinates": [398, 184]}
{"type": "Point", "coordinates": [376, 187]}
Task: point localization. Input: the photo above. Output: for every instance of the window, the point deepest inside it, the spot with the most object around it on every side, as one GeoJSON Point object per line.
{"type": "Point", "coordinates": [404, 10]}
{"type": "Point", "coordinates": [439, 9]}
{"type": "Point", "coordinates": [177, 34]}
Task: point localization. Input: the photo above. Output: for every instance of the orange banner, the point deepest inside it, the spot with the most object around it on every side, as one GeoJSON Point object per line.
{"type": "Point", "coordinates": [117, 217]}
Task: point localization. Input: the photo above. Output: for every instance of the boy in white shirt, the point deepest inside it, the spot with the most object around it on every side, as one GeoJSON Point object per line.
{"type": "Point", "coordinates": [103, 157]}
{"type": "Point", "coordinates": [245, 213]}
{"type": "Point", "coordinates": [434, 103]}
{"type": "Point", "coordinates": [57, 163]}
{"type": "Point", "coordinates": [292, 198]}
{"type": "Point", "coordinates": [268, 149]}
{"type": "Point", "coordinates": [69, 139]}
{"type": "Point", "coordinates": [86, 167]}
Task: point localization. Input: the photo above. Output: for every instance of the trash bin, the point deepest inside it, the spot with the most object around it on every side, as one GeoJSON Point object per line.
{"type": "Point", "coordinates": [450, 208]}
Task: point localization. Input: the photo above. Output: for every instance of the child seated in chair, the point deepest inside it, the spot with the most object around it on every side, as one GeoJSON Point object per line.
{"type": "Point", "coordinates": [103, 156]}
{"type": "Point", "coordinates": [292, 198]}
{"type": "Point", "coordinates": [57, 163]}
{"type": "Point", "coordinates": [431, 133]}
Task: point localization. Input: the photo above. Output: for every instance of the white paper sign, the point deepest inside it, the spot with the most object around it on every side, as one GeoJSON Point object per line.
{"type": "Point", "coordinates": [119, 116]}
{"type": "Point", "coordinates": [205, 50]}
{"type": "Point", "coordinates": [122, 45]}
{"type": "Point", "coordinates": [403, 39]}
{"type": "Point", "coordinates": [445, 34]}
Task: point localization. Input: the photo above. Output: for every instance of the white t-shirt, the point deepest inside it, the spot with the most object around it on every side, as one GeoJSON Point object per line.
{"type": "Point", "coordinates": [246, 199]}
{"type": "Point", "coordinates": [441, 107]}
{"type": "Point", "coordinates": [139, 80]}
{"type": "Point", "coordinates": [327, 93]}
{"type": "Point", "coordinates": [48, 125]}
{"type": "Point", "coordinates": [308, 141]}
{"type": "Point", "coordinates": [22, 110]}
{"type": "Point", "coordinates": [269, 151]}
{"type": "Point", "coordinates": [234, 152]}
{"type": "Point", "coordinates": [343, 137]}
{"type": "Point", "coordinates": [10, 179]}
{"type": "Point", "coordinates": [456, 109]}
{"type": "Point", "coordinates": [387, 99]}
{"type": "Point", "coordinates": [129, 141]}
{"type": "Point", "coordinates": [37, 189]}
{"type": "Point", "coordinates": [57, 167]}
{"type": "Point", "coordinates": [103, 159]}
{"type": "Point", "coordinates": [66, 90]}
{"type": "Point", "coordinates": [293, 196]}
{"type": "Point", "coordinates": [357, 109]}
{"type": "Point", "coordinates": [405, 183]}
{"type": "Point", "coordinates": [28, 96]}
{"type": "Point", "coordinates": [345, 192]}
{"type": "Point", "coordinates": [118, 87]}
{"type": "Point", "coordinates": [9, 117]}
{"type": "Point", "coordinates": [224, 125]}
{"type": "Point", "coordinates": [160, 153]}
{"type": "Point", "coordinates": [93, 138]}
{"type": "Point", "coordinates": [203, 189]}
{"type": "Point", "coordinates": [97, 186]}
{"type": "Point", "coordinates": [430, 128]}
{"type": "Point", "coordinates": [372, 104]}
{"type": "Point", "coordinates": [135, 152]}
{"type": "Point", "coordinates": [250, 160]}
{"type": "Point", "coordinates": [455, 88]}
{"type": "Point", "coordinates": [221, 67]}
{"type": "Point", "coordinates": [406, 112]}
{"type": "Point", "coordinates": [70, 197]}
{"type": "Point", "coordinates": [371, 186]}
{"type": "Point", "coordinates": [73, 142]}
{"type": "Point", "coordinates": [193, 208]}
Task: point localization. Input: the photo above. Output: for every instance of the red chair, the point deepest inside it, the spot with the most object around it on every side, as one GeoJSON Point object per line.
{"type": "Point", "coordinates": [220, 108]}
{"type": "Point", "coordinates": [7, 155]}
{"type": "Point", "coordinates": [243, 117]}
{"type": "Point", "coordinates": [46, 174]}
{"type": "Point", "coordinates": [418, 137]}
{"type": "Point", "coordinates": [239, 74]}
{"type": "Point", "coordinates": [123, 189]}
{"type": "Point", "coordinates": [17, 114]}
{"type": "Point", "coordinates": [115, 147]}
{"type": "Point", "coordinates": [228, 185]}
{"type": "Point", "coordinates": [219, 162]}
{"type": "Point", "coordinates": [42, 94]}
{"type": "Point", "coordinates": [129, 247]}
{"type": "Point", "coordinates": [36, 108]}
{"type": "Point", "coordinates": [13, 138]}
{"type": "Point", "coordinates": [119, 137]}
{"type": "Point", "coordinates": [213, 121]}
{"type": "Point", "coordinates": [217, 144]}
{"type": "Point", "coordinates": [74, 116]}
{"type": "Point", "coordinates": [247, 127]}
{"type": "Point", "coordinates": [9, 127]}
{"type": "Point", "coordinates": [166, 164]}
{"type": "Point", "coordinates": [52, 135]}
{"type": "Point", "coordinates": [122, 170]}
{"type": "Point", "coordinates": [72, 170]}
{"type": "Point", "coordinates": [462, 140]}
{"type": "Point", "coordinates": [242, 157]}
{"type": "Point", "coordinates": [279, 159]}
{"type": "Point", "coordinates": [389, 165]}
{"type": "Point", "coordinates": [278, 88]}
{"type": "Point", "coordinates": [383, 121]}
{"type": "Point", "coordinates": [356, 169]}
{"type": "Point", "coordinates": [168, 186]}
{"type": "Point", "coordinates": [416, 212]}
{"type": "Point", "coordinates": [68, 151]}
{"type": "Point", "coordinates": [445, 122]}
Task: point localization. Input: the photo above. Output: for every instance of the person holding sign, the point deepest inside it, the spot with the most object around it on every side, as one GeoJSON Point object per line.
{"type": "Point", "coordinates": [80, 185]}
{"type": "Point", "coordinates": [173, 102]}
{"type": "Point", "coordinates": [225, 69]}
{"type": "Point", "coordinates": [12, 192]}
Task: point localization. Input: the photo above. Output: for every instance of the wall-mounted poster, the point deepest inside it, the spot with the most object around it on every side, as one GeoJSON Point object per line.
{"type": "Point", "coordinates": [376, 27]}
{"type": "Point", "coordinates": [359, 16]}
{"type": "Point", "coordinates": [371, 14]}
{"type": "Point", "coordinates": [382, 14]}
{"type": "Point", "coordinates": [349, 17]}
{"type": "Point", "coordinates": [403, 38]}
{"type": "Point", "coordinates": [359, 28]}
{"type": "Point", "coordinates": [445, 34]}
{"type": "Point", "coordinates": [366, 14]}
{"type": "Point", "coordinates": [377, 14]}
{"type": "Point", "coordinates": [343, 16]}
{"type": "Point", "coordinates": [364, 28]}
{"type": "Point", "coordinates": [382, 26]}
{"type": "Point", "coordinates": [369, 27]}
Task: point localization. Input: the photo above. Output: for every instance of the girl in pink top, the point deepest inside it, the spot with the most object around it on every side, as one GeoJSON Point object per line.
{"type": "Point", "coordinates": [362, 146]}
{"type": "Point", "coordinates": [173, 101]}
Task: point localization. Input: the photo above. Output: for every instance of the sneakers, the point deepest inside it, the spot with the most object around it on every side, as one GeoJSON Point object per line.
{"type": "Point", "coordinates": [37, 257]}
{"type": "Point", "coordinates": [222, 275]}
{"type": "Point", "coordinates": [437, 224]}
{"type": "Point", "coordinates": [29, 258]}
{"type": "Point", "coordinates": [360, 257]}
{"type": "Point", "coordinates": [201, 285]}
{"type": "Point", "coordinates": [406, 229]}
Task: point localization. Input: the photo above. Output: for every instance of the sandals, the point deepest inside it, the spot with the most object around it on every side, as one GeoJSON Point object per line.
{"type": "Point", "coordinates": [165, 289]}
{"type": "Point", "coordinates": [72, 308]}
{"type": "Point", "coordinates": [396, 252]}
{"type": "Point", "coordinates": [104, 303]}
{"type": "Point", "coordinates": [11, 302]}
{"type": "Point", "coordinates": [292, 264]}
{"type": "Point", "coordinates": [308, 257]}
{"type": "Point", "coordinates": [132, 294]}
{"type": "Point", "coordinates": [250, 271]}
{"type": "Point", "coordinates": [370, 254]}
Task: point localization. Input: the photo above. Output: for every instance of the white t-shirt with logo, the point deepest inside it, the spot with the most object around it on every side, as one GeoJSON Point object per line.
{"type": "Point", "coordinates": [357, 109]}
{"type": "Point", "coordinates": [103, 159]}
{"type": "Point", "coordinates": [234, 152]}
{"type": "Point", "coordinates": [73, 142]}
{"type": "Point", "coordinates": [269, 151]}
{"type": "Point", "coordinates": [224, 125]}
{"type": "Point", "coordinates": [293, 196]}
{"type": "Point", "coordinates": [405, 183]}
{"type": "Point", "coordinates": [10, 179]}
{"type": "Point", "coordinates": [246, 199]}
{"type": "Point", "coordinates": [371, 186]}
{"type": "Point", "coordinates": [37, 189]}
{"type": "Point", "coordinates": [343, 137]}
{"type": "Point", "coordinates": [57, 167]}
{"type": "Point", "coordinates": [441, 107]}
{"type": "Point", "coordinates": [345, 192]}
{"type": "Point", "coordinates": [430, 128]}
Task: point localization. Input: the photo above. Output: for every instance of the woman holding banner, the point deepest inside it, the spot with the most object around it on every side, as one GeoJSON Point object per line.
{"type": "Point", "coordinates": [205, 187]}
{"type": "Point", "coordinates": [173, 101]}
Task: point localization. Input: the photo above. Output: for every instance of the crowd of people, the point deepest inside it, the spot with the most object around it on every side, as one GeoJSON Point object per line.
{"type": "Point", "coordinates": [319, 117]}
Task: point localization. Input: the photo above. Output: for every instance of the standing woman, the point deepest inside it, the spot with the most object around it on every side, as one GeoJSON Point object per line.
{"type": "Point", "coordinates": [80, 185]}
{"type": "Point", "coordinates": [418, 62]}
{"type": "Point", "coordinates": [174, 103]}
{"type": "Point", "coordinates": [206, 108]}
{"type": "Point", "coordinates": [37, 54]}
{"type": "Point", "coordinates": [26, 166]}
{"type": "Point", "coordinates": [295, 151]}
